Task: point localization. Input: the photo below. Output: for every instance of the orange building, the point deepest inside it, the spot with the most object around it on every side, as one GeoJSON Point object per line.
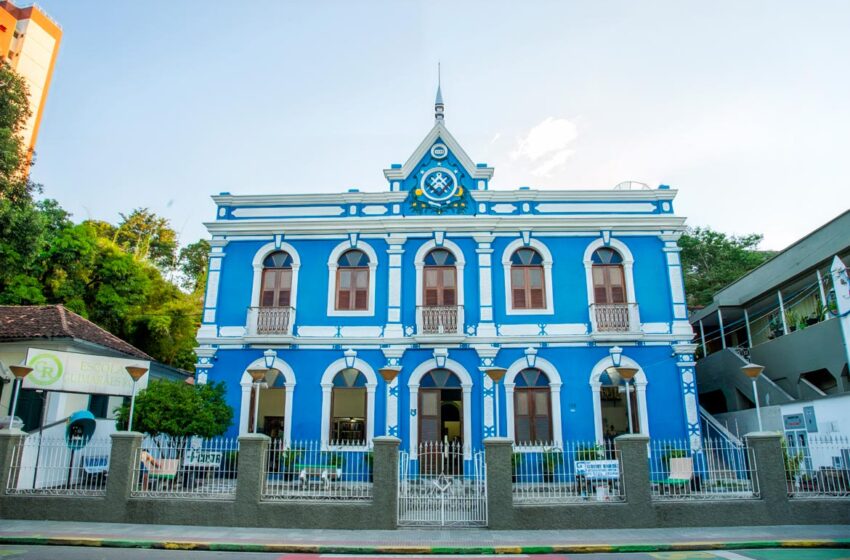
{"type": "Point", "coordinates": [29, 41]}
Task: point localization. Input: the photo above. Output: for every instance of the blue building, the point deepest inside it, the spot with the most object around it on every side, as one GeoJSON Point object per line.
{"type": "Point", "coordinates": [440, 309]}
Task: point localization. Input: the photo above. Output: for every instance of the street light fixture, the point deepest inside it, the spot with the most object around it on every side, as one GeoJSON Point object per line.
{"type": "Point", "coordinates": [627, 373]}
{"type": "Point", "coordinates": [136, 373]}
{"type": "Point", "coordinates": [258, 375]}
{"type": "Point", "coordinates": [19, 372]}
{"type": "Point", "coordinates": [753, 371]}
{"type": "Point", "coordinates": [269, 356]}
{"type": "Point", "coordinates": [496, 374]}
{"type": "Point", "coordinates": [440, 357]}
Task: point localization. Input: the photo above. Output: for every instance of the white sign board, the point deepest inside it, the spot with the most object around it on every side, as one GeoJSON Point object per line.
{"type": "Point", "coordinates": [81, 373]}
{"type": "Point", "coordinates": [200, 458]}
{"type": "Point", "coordinates": [599, 470]}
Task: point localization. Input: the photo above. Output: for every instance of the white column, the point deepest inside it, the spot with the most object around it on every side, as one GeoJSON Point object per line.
{"type": "Point", "coordinates": [596, 387]}
{"type": "Point", "coordinates": [681, 325]}
{"type": "Point", "coordinates": [822, 292]}
{"type": "Point", "coordinates": [841, 284]}
{"type": "Point", "coordinates": [486, 360]}
{"type": "Point", "coordinates": [467, 422]}
{"type": "Point", "coordinates": [288, 413]}
{"type": "Point", "coordinates": [722, 331]}
{"type": "Point", "coordinates": [244, 409]}
{"type": "Point", "coordinates": [486, 327]}
{"type": "Point", "coordinates": [643, 411]}
{"type": "Point", "coordinates": [702, 339]}
{"type": "Point", "coordinates": [749, 334]}
{"type": "Point", "coordinates": [557, 428]}
{"type": "Point", "coordinates": [782, 312]}
{"type": "Point", "coordinates": [326, 414]}
{"type": "Point", "coordinates": [392, 426]}
{"type": "Point", "coordinates": [395, 250]}
{"type": "Point", "coordinates": [370, 413]}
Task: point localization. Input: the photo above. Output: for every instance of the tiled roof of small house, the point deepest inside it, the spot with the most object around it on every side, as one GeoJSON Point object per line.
{"type": "Point", "coordinates": [27, 322]}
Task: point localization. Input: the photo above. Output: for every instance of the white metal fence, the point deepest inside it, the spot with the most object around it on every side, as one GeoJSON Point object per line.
{"type": "Point", "coordinates": [550, 473]}
{"type": "Point", "coordinates": [441, 487]}
{"type": "Point", "coordinates": [308, 471]}
{"type": "Point", "coordinates": [818, 466]}
{"type": "Point", "coordinates": [193, 467]}
{"type": "Point", "coordinates": [720, 469]}
{"type": "Point", "coordinates": [47, 466]}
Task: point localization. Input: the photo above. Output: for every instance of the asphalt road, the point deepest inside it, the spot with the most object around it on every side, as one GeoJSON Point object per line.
{"type": "Point", "coordinates": [24, 552]}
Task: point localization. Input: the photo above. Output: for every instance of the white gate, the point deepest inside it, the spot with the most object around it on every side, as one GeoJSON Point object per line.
{"type": "Point", "coordinates": [440, 488]}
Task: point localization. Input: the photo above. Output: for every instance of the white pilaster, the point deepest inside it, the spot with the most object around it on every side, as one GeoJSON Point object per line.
{"type": "Point", "coordinates": [486, 327]}
{"type": "Point", "coordinates": [395, 250]}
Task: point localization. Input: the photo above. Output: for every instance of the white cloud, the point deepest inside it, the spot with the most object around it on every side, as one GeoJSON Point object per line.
{"type": "Point", "coordinates": [547, 144]}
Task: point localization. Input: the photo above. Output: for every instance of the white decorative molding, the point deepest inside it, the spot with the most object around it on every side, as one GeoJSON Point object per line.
{"type": "Point", "coordinates": [231, 331]}
{"type": "Point", "coordinates": [327, 381]}
{"type": "Point", "coordinates": [317, 331]}
{"type": "Point", "coordinates": [554, 395]}
{"type": "Point", "coordinates": [548, 285]}
{"type": "Point", "coordinates": [503, 208]}
{"type": "Point", "coordinates": [286, 211]}
{"type": "Point", "coordinates": [374, 210]}
{"type": "Point", "coordinates": [245, 383]}
{"type": "Point", "coordinates": [336, 253]}
{"type": "Point", "coordinates": [604, 207]}
{"type": "Point", "coordinates": [360, 331]}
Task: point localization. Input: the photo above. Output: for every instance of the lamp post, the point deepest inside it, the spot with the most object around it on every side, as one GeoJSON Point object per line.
{"type": "Point", "coordinates": [19, 372]}
{"type": "Point", "coordinates": [136, 373]}
{"type": "Point", "coordinates": [753, 371]}
{"type": "Point", "coordinates": [627, 373]}
{"type": "Point", "coordinates": [496, 374]}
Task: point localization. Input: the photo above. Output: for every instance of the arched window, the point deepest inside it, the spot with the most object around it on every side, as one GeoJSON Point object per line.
{"type": "Point", "coordinates": [348, 407]}
{"type": "Point", "coordinates": [277, 280]}
{"type": "Point", "coordinates": [532, 407]}
{"type": "Point", "coordinates": [440, 407]}
{"type": "Point", "coordinates": [609, 280]}
{"type": "Point", "coordinates": [352, 281]}
{"type": "Point", "coordinates": [528, 289]}
{"type": "Point", "coordinates": [440, 285]}
{"type": "Point", "coordinates": [612, 395]}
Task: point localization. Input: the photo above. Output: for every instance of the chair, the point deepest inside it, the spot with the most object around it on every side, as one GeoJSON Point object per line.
{"type": "Point", "coordinates": [158, 471]}
{"type": "Point", "coordinates": [681, 474]}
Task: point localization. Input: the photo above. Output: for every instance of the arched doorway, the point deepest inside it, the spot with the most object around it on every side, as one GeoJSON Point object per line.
{"type": "Point", "coordinates": [271, 410]}
{"type": "Point", "coordinates": [440, 407]}
{"type": "Point", "coordinates": [612, 396]}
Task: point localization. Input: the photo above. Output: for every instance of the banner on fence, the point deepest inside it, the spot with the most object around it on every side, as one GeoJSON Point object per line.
{"type": "Point", "coordinates": [599, 470]}
{"type": "Point", "coordinates": [201, 458]}
{"type": "Point", "coordinates": [81, 373]}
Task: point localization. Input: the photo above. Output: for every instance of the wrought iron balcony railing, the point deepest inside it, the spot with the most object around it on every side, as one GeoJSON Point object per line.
{"type": "Point", "coordinates": [614, 317]}
{"type": "Point", "coordinates": [438, 319]}
{"type": "Point", "coordinates": [270, 320]}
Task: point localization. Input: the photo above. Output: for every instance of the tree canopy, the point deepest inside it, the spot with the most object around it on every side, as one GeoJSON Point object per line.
{"type": "Point", "coordinates": [712, 260]}
{"type": "Point", "coordinates": [179, 410]}
{"type": "Point", "coordinates": [15, 184]}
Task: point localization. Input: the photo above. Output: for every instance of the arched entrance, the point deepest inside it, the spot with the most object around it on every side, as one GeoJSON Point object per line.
{"type": "Point", "coordinates": [440, 407]}
{"type": "Point", "coordinates": [274, 416]}
{"type": "Point", "coordinates": [609, 403]}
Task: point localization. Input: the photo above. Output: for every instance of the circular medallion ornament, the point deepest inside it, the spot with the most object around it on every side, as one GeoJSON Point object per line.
{"type": "Point", "coordinates": [439, 151]}
{"type": "Point", "coordinates": [439, 184]}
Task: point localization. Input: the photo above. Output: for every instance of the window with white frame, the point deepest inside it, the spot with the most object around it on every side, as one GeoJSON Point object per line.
{"type": "Point", "coordinates": [532, 407]}
{"type": "Point", "coordinates": [528, 286]}
{"type": "Point", "coordinates": [352, 281]}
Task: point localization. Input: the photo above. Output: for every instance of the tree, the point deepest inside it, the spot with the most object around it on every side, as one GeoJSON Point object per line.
{"type": "Point", "coordinates": [15, 185]}
{"type": "Point", "coordinates": [711, 260]}
{"type": "Point", "coordinates": [179, 410]}
{"type": "Point", "coordinates": [193, 266]}
{"type": "Point", "coordinates": [148, 237]}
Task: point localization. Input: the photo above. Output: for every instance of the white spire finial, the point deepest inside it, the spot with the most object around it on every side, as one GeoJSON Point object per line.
{"type": "Point", "coordinates": [439, 107]}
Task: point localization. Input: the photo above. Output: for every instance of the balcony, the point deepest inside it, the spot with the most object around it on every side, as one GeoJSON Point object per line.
{"type": "Point", "coordinates": [270, 320]}
{"type": "Point", "coordinates": [614, 317]}
{"type": "Point", "coordinates": [439, 319]}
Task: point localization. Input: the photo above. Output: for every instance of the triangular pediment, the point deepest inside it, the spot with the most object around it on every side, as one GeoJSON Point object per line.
{"type": "Point", "coordinates": [439, 134]}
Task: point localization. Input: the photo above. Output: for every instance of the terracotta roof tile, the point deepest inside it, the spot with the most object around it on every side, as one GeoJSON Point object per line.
{"type": "Point", "coordinates": [24, 322]}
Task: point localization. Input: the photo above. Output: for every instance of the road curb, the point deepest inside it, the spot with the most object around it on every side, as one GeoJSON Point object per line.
{"type": "Point", "coordinates": [417, 550]}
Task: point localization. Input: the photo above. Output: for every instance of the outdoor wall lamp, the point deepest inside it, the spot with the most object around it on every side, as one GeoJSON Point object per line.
{"type": "Point", "coordinates": [19, 372]}
{"type": "Point", "coordinates": [531, 356]}
{"type": "Point", "coordinates": [440, 356]}
{"type": "Point", "coordinates": [350, 356]}
{"type": "Point", "coordinates": [269, 356]}
{"type": "Point", "coordinates": [616, 355]}
{"type": "Point", "coordinates": [496, 374]}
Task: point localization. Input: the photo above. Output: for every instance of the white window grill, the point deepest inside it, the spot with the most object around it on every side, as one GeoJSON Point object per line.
{"type": "Point", "coordinates": [309, 471]}
{"type": "Point", "coordinates": [817, 466]}
{"type": "Point", "coordinates": [719, 469]}
{"type": "Point", "coordinates": [568, 472]}
{"type": "Point", "coordinates": [190, 467]}
{"type": "Point", "coordinates": [48, 466]}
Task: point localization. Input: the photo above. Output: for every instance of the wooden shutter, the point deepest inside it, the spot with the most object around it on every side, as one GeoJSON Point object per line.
{"type": "Point", "coordinates": [429, 415]}
{"type": "Point", "coordinates": [449, 288]}
{"type": "Point", "coordinates": [432, 287]}
{"type": "Point", "coordinates": [600, 291]}
{"type": "Point", "coordinates": [522, 416]}
{"type": "Point", "coordinates": [284, 287]}
{"type": "Point", "coordinates": [343, 289]}
{"type": "Point", "coordinates": [617, 283]}
{"type": "Point", "coordinates": [361, 289]}
{"type": "Point", "coordinates": [518, 286]}
{"type": "Point", "coordinates": [542, 415]}
{"type": "Point", "coordinates": [536, 288]}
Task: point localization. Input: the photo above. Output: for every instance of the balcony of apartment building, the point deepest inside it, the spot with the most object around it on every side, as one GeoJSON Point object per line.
{"type": "Point", "coordinates": [272, 321]}
{"type": "Point", "coordinates": [611, 319]}
{"type": "Point", "coordinates": [793, 331]}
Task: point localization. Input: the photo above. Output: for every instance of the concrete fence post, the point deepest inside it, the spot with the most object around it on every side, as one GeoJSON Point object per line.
{"type": "Point", "coordinates": [385, 482]}
{"type": "Point", "coordinates": [770, 470]}
{"type": "Point", "coordinates": [500, 500]}
{"type": "Point", "coordinates": [9, 439]}
{"type": "Point", "coordinates": [633, 451]}
{"type": "Point", "coordinates": [122, 466]}
{"type": "Point", "coordinates": [251, 470]}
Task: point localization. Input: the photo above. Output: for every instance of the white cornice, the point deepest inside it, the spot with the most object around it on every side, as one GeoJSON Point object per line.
{"type": "Point", "coordinates": [581, 195]}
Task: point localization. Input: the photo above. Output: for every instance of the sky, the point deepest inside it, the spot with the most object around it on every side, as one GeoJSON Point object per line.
{"type": "Point", "coordinates": [743, 106]}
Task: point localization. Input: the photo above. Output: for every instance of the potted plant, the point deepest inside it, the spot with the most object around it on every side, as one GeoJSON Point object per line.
{"type": "Point", "coordinates": [589, 452]}
{"type": "Point", "coordinates": [551, 458]}
{"type": "Point", "coordinates": [792, 319]}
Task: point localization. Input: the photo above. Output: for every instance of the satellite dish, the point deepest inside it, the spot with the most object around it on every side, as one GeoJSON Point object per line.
{"type": "Point", "coordinates": [81, 426]}
{"type": "Point", "coordinates": [631, 185]}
